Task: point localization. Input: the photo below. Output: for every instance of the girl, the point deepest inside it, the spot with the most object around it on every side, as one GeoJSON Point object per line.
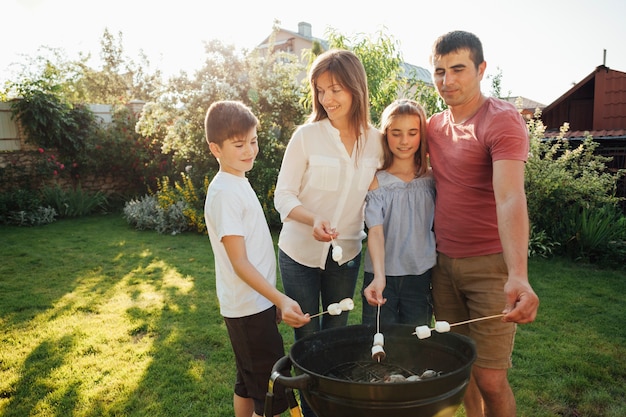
{"type": "Point", "coordinates": [399, 212]}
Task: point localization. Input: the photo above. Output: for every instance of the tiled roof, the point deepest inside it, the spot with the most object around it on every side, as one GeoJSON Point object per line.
{"type": "Point", "coordinates": [526, 102]}
{"type": "Point", "coordinates": [615, 134]}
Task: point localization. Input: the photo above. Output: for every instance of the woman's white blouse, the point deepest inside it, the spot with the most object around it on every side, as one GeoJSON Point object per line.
{"type": "Point", "coordinates": [318, 174]}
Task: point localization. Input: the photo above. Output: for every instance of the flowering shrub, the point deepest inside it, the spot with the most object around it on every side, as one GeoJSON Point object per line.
{"type": "Point", "coordinates": [50, 166]}
{"type": "Point", "coordinates": [572, 202]}
{"type": "Point", "coordinates": [119, 149]}
{"type": "Point", "coordinates": [171, 209]}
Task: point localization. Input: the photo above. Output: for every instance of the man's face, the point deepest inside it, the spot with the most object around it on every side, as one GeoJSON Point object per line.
{"type": "Point", "coordinates": [456, 78]}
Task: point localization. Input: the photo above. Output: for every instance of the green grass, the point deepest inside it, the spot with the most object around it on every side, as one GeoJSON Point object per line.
{"type": "Point", "coordinates": [97, 319]}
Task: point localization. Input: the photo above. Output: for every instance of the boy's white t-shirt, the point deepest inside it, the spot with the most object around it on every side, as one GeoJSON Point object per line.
{"type": "Point", "coordinates": [232, 209]}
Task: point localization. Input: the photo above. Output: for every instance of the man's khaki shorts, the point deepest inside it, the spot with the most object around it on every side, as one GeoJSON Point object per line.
{"type": "Point", "coordinates": [468, 288]}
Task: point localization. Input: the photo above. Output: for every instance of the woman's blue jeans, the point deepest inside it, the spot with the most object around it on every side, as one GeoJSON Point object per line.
{"type": "Point", "coordinates": [310, 286]}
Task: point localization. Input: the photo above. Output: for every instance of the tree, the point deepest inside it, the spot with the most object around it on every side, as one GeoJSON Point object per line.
{"type": "Point", "coordinates": [496, 85]}
{"type": "Point", "coordinates": [265, 83]}
{"type": "Point", "coordinates": [120, 79]}
{"type": "Point", "coordinates": [382, 61]}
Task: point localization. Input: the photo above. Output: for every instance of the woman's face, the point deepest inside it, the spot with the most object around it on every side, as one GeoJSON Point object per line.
{"type": "Point", "coordinates": [336, 100]}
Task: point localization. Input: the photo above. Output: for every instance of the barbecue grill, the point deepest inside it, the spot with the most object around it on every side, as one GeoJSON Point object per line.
{"type": "Point", "coordinates": [335, 373]}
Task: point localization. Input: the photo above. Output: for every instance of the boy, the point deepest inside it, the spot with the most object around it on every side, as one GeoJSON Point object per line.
{"type": "Point", "coordinates": [245, 261]}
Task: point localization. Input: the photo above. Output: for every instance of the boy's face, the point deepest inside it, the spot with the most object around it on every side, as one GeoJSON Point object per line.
{"type": "Point", "coordinates": [236, 156]}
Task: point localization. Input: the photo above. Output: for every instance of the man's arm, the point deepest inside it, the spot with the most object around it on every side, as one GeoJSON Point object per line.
{"type": "Point", "coordinates": [508, 184]}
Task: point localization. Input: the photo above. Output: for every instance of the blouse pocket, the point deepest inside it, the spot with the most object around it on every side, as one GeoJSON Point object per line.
{"type": "Point", "coordinates": [368, 169]}
{"type": "Point", "coordinates": [324, 172]}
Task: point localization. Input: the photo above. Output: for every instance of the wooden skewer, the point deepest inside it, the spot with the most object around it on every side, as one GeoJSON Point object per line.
{"type": "Point", "coordinates": [477, 319]}
{"type": "Point", "coordinates": [470, 321]}
{"type": "Point", "coordinates": [342, 309]}
{"type": "Point", "coordinates": [319, 314]}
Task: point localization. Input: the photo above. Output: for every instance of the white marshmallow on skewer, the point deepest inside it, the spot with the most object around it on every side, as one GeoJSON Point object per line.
{"type": "Point", "coordinates": [334, 309]}
{"type": "Point", "coordinates": [346, 304]}
{"type": "Point", "coordinates": [442, 326]}
{"type": "Point", "coordinates": [379, 340]}
{"type": "Point", "coordinates": [337, 253]}
{"type": "Point", "coordinates": [378, 353]}
{"type": "Point", "coordinates": [422, 332]}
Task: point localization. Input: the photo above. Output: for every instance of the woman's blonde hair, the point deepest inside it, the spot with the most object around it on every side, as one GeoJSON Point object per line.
{"type": "Point", "coordinates": [405, 107]}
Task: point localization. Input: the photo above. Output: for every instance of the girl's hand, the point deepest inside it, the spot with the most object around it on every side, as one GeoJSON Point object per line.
{"type": "Point", "coordinates": [374, 292]}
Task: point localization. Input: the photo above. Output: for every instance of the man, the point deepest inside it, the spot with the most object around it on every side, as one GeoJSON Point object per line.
{"type": "Point", "coordinates": [478, 148]}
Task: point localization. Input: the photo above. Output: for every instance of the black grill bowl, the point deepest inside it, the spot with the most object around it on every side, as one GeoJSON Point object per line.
{"type": "Point", "coordinates": [315, 356]}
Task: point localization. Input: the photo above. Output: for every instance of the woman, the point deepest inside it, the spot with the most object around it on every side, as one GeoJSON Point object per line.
{"type": "Point", "coordinates": [327, 168]}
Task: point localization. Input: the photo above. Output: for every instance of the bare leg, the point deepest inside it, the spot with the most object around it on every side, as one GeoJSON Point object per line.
{"type": "Point", "coordinates": [244, 407]}
{"type": "Point", "coordinates": [489, 394]}
{"type": "Point", "coordinates": [473, 401]}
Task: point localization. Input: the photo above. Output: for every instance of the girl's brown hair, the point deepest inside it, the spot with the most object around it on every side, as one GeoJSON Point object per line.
{"type": "Point", "coordinates": [405, 107]}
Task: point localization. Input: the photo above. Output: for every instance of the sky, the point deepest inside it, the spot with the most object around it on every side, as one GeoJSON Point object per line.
{"type": "Point", "coordinates": [541, 47]}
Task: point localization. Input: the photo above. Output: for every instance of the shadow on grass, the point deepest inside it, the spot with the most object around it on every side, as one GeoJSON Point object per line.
{"type": "Point", "coordinates": [168, 308]}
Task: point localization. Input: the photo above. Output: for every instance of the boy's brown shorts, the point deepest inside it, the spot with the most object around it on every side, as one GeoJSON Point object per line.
{"type": "Point", "coordinates": [468, 288]}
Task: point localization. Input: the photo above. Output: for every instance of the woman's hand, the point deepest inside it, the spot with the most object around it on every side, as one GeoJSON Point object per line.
{"type": "Point", "coordinates": [322, 231]}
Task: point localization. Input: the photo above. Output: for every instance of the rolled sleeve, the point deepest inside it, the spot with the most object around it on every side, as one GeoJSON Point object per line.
{"type": "Point", "coordinates": [290, 178]}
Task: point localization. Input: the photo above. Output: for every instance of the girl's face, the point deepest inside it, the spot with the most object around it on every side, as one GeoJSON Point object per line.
{"type": "Point", "coordinates": [404, 136]}
{"type": "Point", "coordinates": [336, 100]}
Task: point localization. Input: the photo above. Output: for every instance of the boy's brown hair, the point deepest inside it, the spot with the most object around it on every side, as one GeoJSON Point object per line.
{"type": "Point", "coordinates": [228, 119]}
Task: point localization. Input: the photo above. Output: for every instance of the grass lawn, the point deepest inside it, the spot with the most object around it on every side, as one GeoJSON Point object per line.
{"type": "Point", "coordinates": [97, 319]}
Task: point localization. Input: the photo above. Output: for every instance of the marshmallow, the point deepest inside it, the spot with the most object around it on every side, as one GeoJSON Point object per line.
{"type": "Point", "coordinates": [334, 309]}
{"type": "Point", "coordinates": [346, 304]}
{"type": "Point", "coordinates": [429, 373]}
{"type": "Point", "coordinates": [442, 326]}
{"type": "Point", "coordinates": [378, 353]}
{"type": "Point", "coordinates": [422, 332]}
{"type": "Point", "coordinates": [379, 340]}
{"type": "Point", "coordinates": [337, 253]}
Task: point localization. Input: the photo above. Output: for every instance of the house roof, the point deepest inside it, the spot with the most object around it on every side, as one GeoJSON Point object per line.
{"type": "Point", "coordinates": [598, 102]}
{"type": "Point", "coordinates": [618, 83]}
{"type": "Point", "coordinates": [304, 30]}
{"type": "Point", "coordinates": [526, 102]}
{"type": "Point", "coordinates": [422, 73]}
{"type": "Point", "coordinates": [613, 134]}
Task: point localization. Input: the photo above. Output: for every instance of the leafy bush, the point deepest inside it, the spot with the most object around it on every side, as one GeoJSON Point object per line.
{"type": "Point", "coordinates": [24, 207]}
{"type": "Point", "coordinates": [74, 202]}
{"type": "Point", "coordinates": [142, 213]}
{"type": "Point", "coordinates": [540, 244]}
{"type": "Point", "coordinates": [596, 234]}
{"type": "Point", "coordinates": [186, 198]}
{"type": "Point", "coordinates": [562, 183]}
{"type": "Point", "coordinates": [145, 213]}
{"type": "Point", "coordinates": [172, 209]}
{"type": "Point", "coordinates": [37, 217]}
{"type": "Point", "coordinates": [119, 149]}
